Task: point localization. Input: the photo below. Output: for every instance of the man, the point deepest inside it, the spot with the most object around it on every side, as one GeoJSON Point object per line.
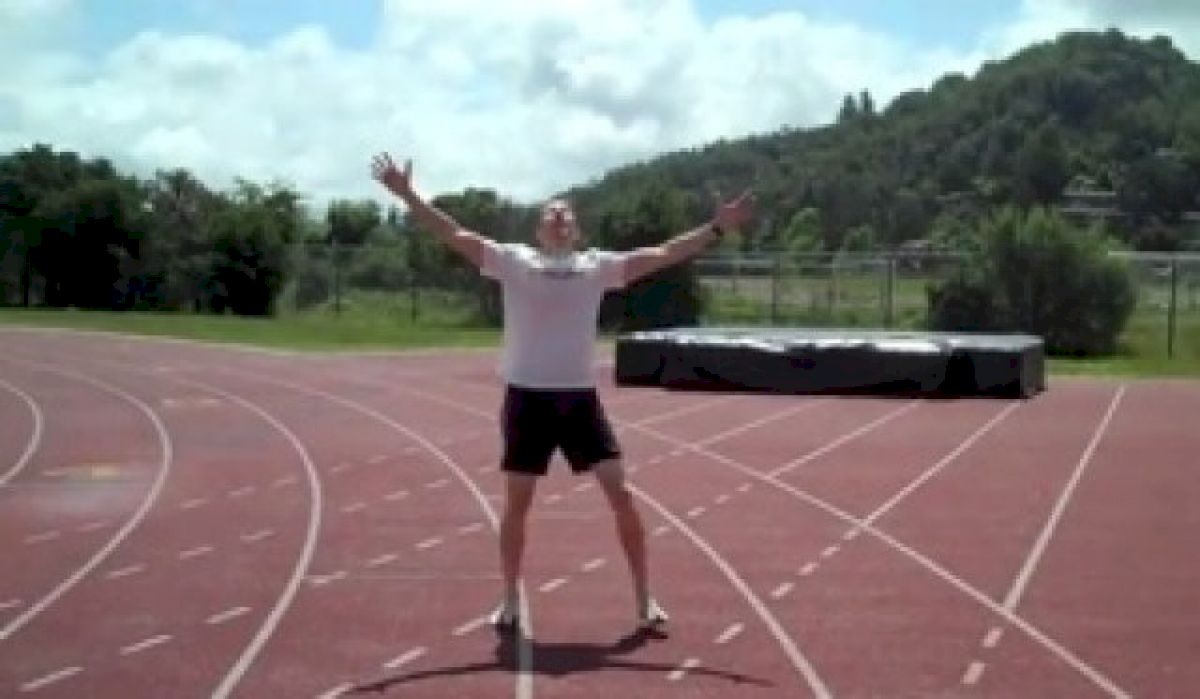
{"type": "Point", "coordinates": [552, 293]}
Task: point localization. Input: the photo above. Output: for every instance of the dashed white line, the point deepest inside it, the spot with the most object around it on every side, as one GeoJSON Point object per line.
{"type": "Point", "coordinates": [354, 507]}
{"type": "Point", "coordinates": [227, 615]}
{"type": "Point", "coordinates": [282, 482]}
{"type": "Point", "coordinates": [744, 488]}
{"type": "Point", "coordinates": [146, 644]}
{"type": "Point", "coordinates": [381, 560]}
{"type": "Point", "coordinates": [336, 692]}
{"type": "Point", "coordinates": [582, 487]}
{"type": "Point", "coordinates": [50, 679]}
{"type": "Point", "coordinates": [851, 534]}
{"type": "Point", "coordinates": [43, 537]}
{"type": "Point", "coordinates": [731, 632]}
{"type": "Point", "coordinates": [783, 590]}
{"type": "Point", "coordinates": [973, 673]}
{"type": "Point", "coordinates": [198, 551]}
{"type": "Point", "coordinates": [470, 626]}
{"type": "Point", "coordinates": [91, 527]}
{"type": "Point", "coordinates": [593, 565]}
{"type": "Point", "coordinates": [553, 499]}
{"type": "Point", "coordinates": [343, 466]}
{"type": "Point", "coordinates": [430, 543]}
{"type": "Point", "coordinates": [696, 511]}
{"type": "Point", "coordinates": [242, 492]}
{"type": "Point", "coordinates": [993, 637]}
{"type": "Point", "coordinates": [439, 483]}
{"type": "Point", "coordinates": [257, 536]}
{"type": "Point", "coordinates": [470, 528]}
{"type": "Point", "coordinates": [320, 580]}
{"type": "Point", "coordinates": [194, 503]}
{"type": "Point", "coordinates": [721, 499]}
{"type": "Point", "coordinates": [406, 658]}
{"type": "Point", "coordinates": [829, 551]}
{"type": "Point", "coordinates": [125, 572]}
{"type": "Point", "coordinates": [661, 529]}
{"type": "Point", "coordinates": [657, 459]}
{"type": "Point", "coordinates": [396, 495]}
{"type": "Point", "coordinates": [808, 568]}
{"type": "Point", "coordinates": [553, 585]}
{"type": "Point", "coordinates": [9, 604]}
{"type": "Point", "coordinates": [679, 672]}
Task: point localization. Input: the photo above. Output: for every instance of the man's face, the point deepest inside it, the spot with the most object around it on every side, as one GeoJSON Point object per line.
{"type": "Point", "coordinates": [557, 230]}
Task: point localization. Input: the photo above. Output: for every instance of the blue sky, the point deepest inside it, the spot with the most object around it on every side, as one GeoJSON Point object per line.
{"type": "Point", "coordinates": [525, 96]}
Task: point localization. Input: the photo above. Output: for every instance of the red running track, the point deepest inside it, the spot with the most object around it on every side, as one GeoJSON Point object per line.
{"type": "Point", "coordinates": [191, 520]}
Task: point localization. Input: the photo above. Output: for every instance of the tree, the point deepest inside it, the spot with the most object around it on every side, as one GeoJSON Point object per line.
{"type": "Point", "coordinates": [1042, 170]}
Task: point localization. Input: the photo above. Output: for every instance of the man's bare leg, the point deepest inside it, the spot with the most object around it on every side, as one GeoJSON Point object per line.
{"type": "Point", "coordinates": [611, 476]}
{"type": "Point", "coordinates": [519, 490]}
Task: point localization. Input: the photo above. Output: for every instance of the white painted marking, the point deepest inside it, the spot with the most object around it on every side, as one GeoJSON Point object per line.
{"type": "Point", "coordinates": [194, 503]}
{"type": "Point", "coordinates": [125, 572]}
{"type": "Point", "coordinates": [430, 543]}
{"type": "Point", "coordinates": [381, 560]}
{"type": "Point", "coordinates": [553, 585]}
{"type": "Point", "coordinates": [322, 580]}
{"type": "Point", "coordinates": [829, 551]}
{"type": "Point", "coordinates": [91, 527]}
{"type": "Point", "coordinates": [377, 459]}
{"type": "Point", "coordinates": [405, 659]}
{"type": "Point", "coordinates": [242, 492]}
{"type": "Point", "coordinates": [744, 488]}
{"type": "Point", "coordinates": [679, 672]}
{"type": "Point", "coordinates": [208, 402]}
{"type": "Point", "coordinates": [470, 626]}
{"type": "Point", "coordinates": [35, 436]}
{"type": "Point", "coordinates": [9, 604]}
{"type": "Point", "coordinates": [396, 495]}
{"type": "Point", "coordinates": [50, 679]}
{"type": "Point", "coordinates": [839, 441]}
{"type": "Point", "coordinates": [973, 673]}
{"type": "Point", "coordinates": [354, 507]}
{"type": "Point", "coordinates": [722, 499]}
{"type": "Point", "coordinates": [283, 482]}
{"type": "Point", "coordinates": [783, 590]}
{"type": "Point", "coordinates": [731, 632]}
{"type": "Point", "coordinates": [43, 537]}
{"type": "Point", "coordinates": [696, 511]}
{"type": "Point", "coordinates": [851, 534]}
{"type": "Point", "coordinates": [145, 645]}
{"type": "Point", "coordinates": [336, 692]}
{"type": "Point", "coordinates": [439, 483]}
{"type": "Point", "coordinates": [198, 551]}
{"type": "Point", "coordinates": [227, 615]}
{"type": "Point", "coordinates": [343, 466]}
{"type": "Point", "coordinates": [593, 565]}
{"type": "Point", "coordinates": [553, 499]}
{"type": "Point", "coordinates": [257, 536]}
{"type": "Point", "coordinates": [657, 459]}
{"type": "Point", "coordinates": [470, 528]}
{"type": "Point", "coordinates": [586, 485]}
{"type": "Point", "coordinates": [661, 529]}
{"type": "Point", "coordinates": [993, 637]}
{"type": "Point", "coordinates": [808, 569]}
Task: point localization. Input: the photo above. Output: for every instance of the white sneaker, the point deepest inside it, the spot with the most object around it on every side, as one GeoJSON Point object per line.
{"type": "Point", "coordinates": [653, 616]}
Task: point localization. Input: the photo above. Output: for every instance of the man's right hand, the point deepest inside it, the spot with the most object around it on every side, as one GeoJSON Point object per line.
{"type": "Point", "coordinates": [398, 182]}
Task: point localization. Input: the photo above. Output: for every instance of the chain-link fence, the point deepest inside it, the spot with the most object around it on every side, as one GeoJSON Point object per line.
{"type": "Point", "coordinates": [864, 290]}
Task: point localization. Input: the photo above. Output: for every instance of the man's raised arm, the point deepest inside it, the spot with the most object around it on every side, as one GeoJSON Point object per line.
{"type": "Point", "coordinates": [399, 182]}
{"type": "Point", "coordinates": [732, 214]}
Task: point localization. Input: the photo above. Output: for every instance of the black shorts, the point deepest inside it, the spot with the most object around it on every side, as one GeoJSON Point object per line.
{"type": "Point", "coordinates": [535, 422]}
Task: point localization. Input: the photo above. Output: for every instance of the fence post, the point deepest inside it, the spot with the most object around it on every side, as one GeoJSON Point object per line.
{"type": "Point", "coordinates": [889, 317]}
{"type": "Point", "coordinates": [1171, 315]}
{"type": "Point", "coordinates": [775, 273]}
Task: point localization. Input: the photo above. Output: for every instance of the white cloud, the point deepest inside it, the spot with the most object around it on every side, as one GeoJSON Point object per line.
{"type": "Point", "coordinates": [526, 97]}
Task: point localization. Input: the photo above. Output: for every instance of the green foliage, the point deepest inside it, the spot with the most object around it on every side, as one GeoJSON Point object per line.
{"type": "Point", "coordinates": [1036, 273]}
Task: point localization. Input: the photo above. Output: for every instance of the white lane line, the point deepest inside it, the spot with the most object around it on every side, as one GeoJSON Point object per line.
{"type": "Point", "coordinates": [830, 550]}
{"type": "Point", "coordinates": [470, 626]}
{"type": "Point", "coordinates": [50, 679]}
{"type": "Point", "coordinates": [35, 436]}
{"type": "Point", "coordinates": [125, 572]}
{"type": "Point", "coordinates": [146, 644]}
{"type": "Point", "coordinates": [593, 565]}
{"type": "Point", "coordinates": [227, 615]}
{"type": "Point", "coordinates": [439, 483]}
{"type": "Point", "coordinates": [194, 503]}
{"type": "Point", "coordinates": [43, 537]}
{"type": "Point", "coordinates": [283, 482]}
{"type": "Point", "coordinates": [839, 441]}
{"type": "Point", "coordinates": [679, 672]}
{"type": "Point", "coordinates": [744, 488]}
{"type": "Point", "coordinates": [335, 692]}
{"type": "Point", "coordinates": [194, 552]}
{"type": "Point", "coordinates": [851, 534]}
{"type": "Point", "coordinates": [656, 459]}
{"type": "Point", "coordinates": [973, 673]}
{"type": "Point", "coordinates": [731, 632]}
{"type": "Point", "coordinates": [808, 568]}
{"type": "Point", "coordinates": [405, 659]}
{"type": "Point", "coordinates": [242, 492]}
{"type": "Point", "coordinates": [993, 637]}
{"type": "Point", "coordinates": [553, 499]}
{"type": "Point", "coordinates": [582, 487]}
{"type": "Point", "coordinates": [470, 528]}
{"type": "Point", "coordinates": [783, 590]}
{"type": "Point", "coordinates": [430, 543]}
{"type": "Point", "coordinates": [396, 495]}
{"type": "Point", "coordinates": [343, 466]}
{"type": "Point", "coordinates": [660, 530]}
{"type": "Point", "coordinates": [9, 604]}
{"type": "Point", "coordinates": [553, 585]}
{"type": "Point", "coordinates": [696, 511]}
{"type": "Point", "coordinates": [91, 527]}
{"type": "Point", "coordinates": [148, 500]}
{"type": "Point", "coordinates": [354, 507]}
{"type": "Point", "coordinates": [257, 536]}
{"type": "Point", "coordinates": [382, 560]}
{"type": "Point", "coordinates": [721, 499]}
{"type": "Point", "coordinates": [322, 580]}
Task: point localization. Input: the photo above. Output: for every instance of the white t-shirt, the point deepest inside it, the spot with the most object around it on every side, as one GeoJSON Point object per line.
{"type": "Point", "coordinates": [550, 309]}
